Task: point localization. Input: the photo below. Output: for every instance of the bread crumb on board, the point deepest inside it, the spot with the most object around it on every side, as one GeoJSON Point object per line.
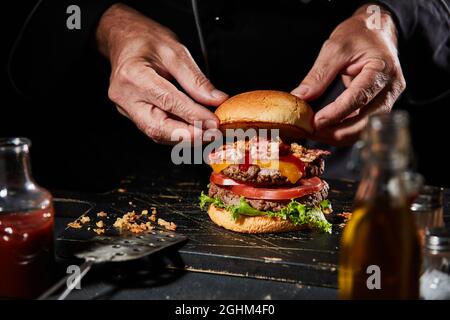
{"type": "Point", "coordinates": [99, 231]}
{"type": "Point", "coordinates": [74, 225]}
{"type": "Point", "coordinates": [345, 215]}
{"type": "Point", "coordinates": [102, 214]}
{"type": "Point", "coordinates": [167, 225]}
{"type": "Point", "coordinates": [85, 219]}
{"type": "Point", "coordinates": [131, 221]}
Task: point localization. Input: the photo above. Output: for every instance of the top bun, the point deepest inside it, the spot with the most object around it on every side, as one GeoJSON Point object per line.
{"type": "Point", "coordinates": [267, 109]}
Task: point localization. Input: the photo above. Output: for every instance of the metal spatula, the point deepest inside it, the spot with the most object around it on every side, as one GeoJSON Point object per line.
{"type": "Point", "coordinates": [111, 249]}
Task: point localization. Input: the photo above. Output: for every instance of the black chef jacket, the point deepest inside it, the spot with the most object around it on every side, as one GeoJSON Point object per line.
{"type": "Point", "coordinates": [250, 45]}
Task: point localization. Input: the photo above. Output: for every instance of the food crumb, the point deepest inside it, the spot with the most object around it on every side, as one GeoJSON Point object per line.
{"type": "Point", "coordinates": [167, 225]}
{"type": "Point", "coordinates": [99, 231]}
{"type": "Point", "coordinates": [85, 219]}
{"type": "Point", "coordinates": [74, 225]}
{"type": "Point", "coordinates": [130, 222]}
{"type": "Point", "coordinates": [345, 215]}
{"type": "Point", "coordinates": [102, 214]}
{"type": "Point", "coordinates": [153, 216]}
{"type": "Point", "coordinates": [138, 228]}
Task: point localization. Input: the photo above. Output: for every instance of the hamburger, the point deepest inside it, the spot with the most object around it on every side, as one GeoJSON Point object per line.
{"type": "Point", "coordinates": [267, 185]}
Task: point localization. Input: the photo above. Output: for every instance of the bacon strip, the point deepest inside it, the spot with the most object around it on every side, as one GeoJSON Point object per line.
{"type": "Point", "coordinates": [262, 149]}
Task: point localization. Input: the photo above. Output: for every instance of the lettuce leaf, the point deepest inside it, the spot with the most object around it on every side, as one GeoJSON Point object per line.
{"type": "Point", "coordinates": [326, 207]}
{"type": "Point", "coordinates": [296, 212]}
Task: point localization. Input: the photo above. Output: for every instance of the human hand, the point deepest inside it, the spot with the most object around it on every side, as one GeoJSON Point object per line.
{"type": "Point", "coordinates": [144, 56]}
{"type": "Point", "coordinates": [366, 58]}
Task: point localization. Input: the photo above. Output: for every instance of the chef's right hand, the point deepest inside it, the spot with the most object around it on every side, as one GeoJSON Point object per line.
{"type": "Point", "coordinates": [144, 56]}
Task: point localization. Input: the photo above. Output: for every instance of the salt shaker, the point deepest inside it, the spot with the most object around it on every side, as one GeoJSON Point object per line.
{"type": "Point", "coordinates": [435, 281]}
{"type": "Point", "coordinates": [428, 210]}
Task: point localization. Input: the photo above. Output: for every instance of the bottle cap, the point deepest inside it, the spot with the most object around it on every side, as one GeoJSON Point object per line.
{"type": "Point", "coordinates": [429, 198]}
{"type": "Point", "coordinates": [438, 239]}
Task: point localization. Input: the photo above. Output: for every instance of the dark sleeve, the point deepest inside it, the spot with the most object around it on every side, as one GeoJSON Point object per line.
{"type": "Point", "coordinates": [424, 45]}
{"type": "Point", "coordinates": [46, 51]}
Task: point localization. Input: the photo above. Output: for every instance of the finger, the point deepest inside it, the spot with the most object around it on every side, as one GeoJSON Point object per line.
{"type": "Point", "coordinates": [329, 63]}
{"type": "Point", "coordinates": [122, 111]}
{"type": "Point", "coordinates": [157, 125]}
{"type": "Point", "coordinates": [343, 134]}
{"type": "Point", "coordinates": [183, 68]}
{"type": "Point", "coordinates": [167, 97]}
{"type": "Point", "coordinates": [347, 80]}
{"type": "Point", "coordinates": [350, 129]}
{"type": "Point", "coordinates": [364, 87]}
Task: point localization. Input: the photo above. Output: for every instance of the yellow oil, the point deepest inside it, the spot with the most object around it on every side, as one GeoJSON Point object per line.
{"type": "Point", "coordinates": [384, 236]}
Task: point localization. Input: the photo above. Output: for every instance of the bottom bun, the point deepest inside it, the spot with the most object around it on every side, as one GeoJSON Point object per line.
{"type": "Point", "coordinates": [251, 224]}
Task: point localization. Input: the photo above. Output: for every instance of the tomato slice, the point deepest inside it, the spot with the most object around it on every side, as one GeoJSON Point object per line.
{"type": "Point", "coordinates": [222, 180]}
{"type": "Point", "coordinates": [304, 187]}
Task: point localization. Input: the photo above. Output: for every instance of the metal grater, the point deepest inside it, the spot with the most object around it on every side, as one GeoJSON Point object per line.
{"type": "Point", "coordinates": [104, 249]}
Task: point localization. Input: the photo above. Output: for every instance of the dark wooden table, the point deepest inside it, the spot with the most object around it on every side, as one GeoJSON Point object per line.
{"type": "Point", "coordinates": [214, 263]}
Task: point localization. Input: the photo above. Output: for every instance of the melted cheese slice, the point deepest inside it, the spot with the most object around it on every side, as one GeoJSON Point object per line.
{"type": "Point", "coordinates": [287, 169]}
{"type": "Point", "coordinates": [218, 167]}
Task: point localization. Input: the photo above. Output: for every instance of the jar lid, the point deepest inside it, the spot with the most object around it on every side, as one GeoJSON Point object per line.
{"type": "Point", "coordinates": [438, 239]}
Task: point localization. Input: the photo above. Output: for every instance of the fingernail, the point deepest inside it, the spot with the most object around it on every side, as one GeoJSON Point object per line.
{"type": "Point", "coordinates": [217, 94]}
{"type": "Point", "coordinates": [303, 90]}
{"type": "Point", "coordinates": [211, 124]}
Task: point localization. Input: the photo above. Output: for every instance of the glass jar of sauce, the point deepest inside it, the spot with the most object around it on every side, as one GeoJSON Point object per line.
{"type": "Point", "coordinates": [26, 225]}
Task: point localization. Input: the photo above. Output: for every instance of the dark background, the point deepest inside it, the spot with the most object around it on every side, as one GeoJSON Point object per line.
{"type": "Point", "coordinates": [81, 142]}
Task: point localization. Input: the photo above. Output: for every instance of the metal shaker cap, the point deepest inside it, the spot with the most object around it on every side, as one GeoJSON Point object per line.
{"type": "Point", "coordinates": [429, 198]}
{"type": "Point", "coordinates": [438, 239]}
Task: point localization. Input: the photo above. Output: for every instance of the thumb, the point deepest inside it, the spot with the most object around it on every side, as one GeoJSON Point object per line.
{"type": "Point", "coordinates": [187, 73]}
{"type": "Point", "coordinates": [325, 69]}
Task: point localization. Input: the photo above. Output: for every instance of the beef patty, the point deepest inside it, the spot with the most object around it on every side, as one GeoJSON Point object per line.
{"type": "Point", "coordinates": [231, 199]}
{"type": "Point", "coordinates": [261, 176]}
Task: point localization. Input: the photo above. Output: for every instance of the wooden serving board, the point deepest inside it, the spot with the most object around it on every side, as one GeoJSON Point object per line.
{"type": "Point", "coordinates": [305, 257]}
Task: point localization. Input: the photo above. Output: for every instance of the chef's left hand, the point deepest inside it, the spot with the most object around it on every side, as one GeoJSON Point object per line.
{"type": "Point", "coordinates": [367, 60]}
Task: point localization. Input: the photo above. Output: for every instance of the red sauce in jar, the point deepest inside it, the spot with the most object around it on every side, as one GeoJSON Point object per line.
{"type": "Point", "coordinates": [26, 252]}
